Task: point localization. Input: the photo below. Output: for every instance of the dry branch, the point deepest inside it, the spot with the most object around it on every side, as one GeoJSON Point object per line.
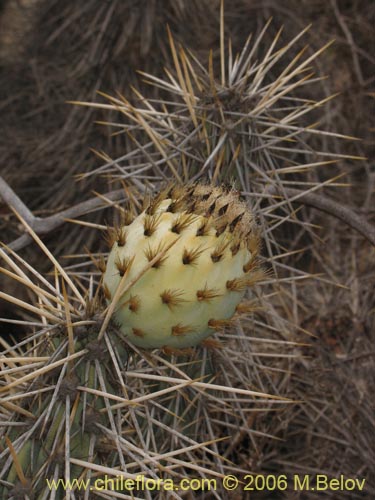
{"type": "Point", "coordinates": [46, 225]}
{"type": "Point", "coordinates": [335, 209]}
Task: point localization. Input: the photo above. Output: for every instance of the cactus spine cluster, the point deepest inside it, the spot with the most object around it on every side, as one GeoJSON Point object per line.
{"type": "Point", "coordinates": [188, 257]}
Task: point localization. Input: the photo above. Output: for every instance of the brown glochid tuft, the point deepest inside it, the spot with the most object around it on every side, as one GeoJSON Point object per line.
{"type": "Point", "coordinates": [179, 329]}
{"type": "Point", "coordinates": [172, 298]}
{"type": "Point", "coordinates": [182, 222]}
{"type": "Point", "coordinates": [122, 265]}
{"type": "Point", "coordinates": [151, 253]}
{"type": "Point", "coordinates": [138, 332]}
{"type": "Point", "coordinates": [237, 284]}
{"type": "Point", "coordinates": [190, 256]}
{"type": "Point", "coordinates": [134, 303]}
{"type": "Point", "coordinates": [150, 224]}
{"type": "Point", "coordinates": [207, 294]}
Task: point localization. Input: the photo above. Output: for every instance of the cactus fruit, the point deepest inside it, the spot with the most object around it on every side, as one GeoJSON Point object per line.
{"type": "Point", "coordinates": [188, 257]}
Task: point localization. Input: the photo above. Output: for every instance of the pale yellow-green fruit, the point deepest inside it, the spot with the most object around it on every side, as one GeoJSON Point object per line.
{"type": "Point", "coordinates": [184, 265]}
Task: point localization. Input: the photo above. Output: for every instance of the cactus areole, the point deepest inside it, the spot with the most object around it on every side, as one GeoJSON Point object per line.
{"type": "Point", "coordinates": [184, 264]}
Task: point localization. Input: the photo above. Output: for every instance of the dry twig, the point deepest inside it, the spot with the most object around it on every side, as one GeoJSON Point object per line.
{"type": "Point", "coordinates": [333, 208]}
{"type": "Point", "coordinates": [45, 225]}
